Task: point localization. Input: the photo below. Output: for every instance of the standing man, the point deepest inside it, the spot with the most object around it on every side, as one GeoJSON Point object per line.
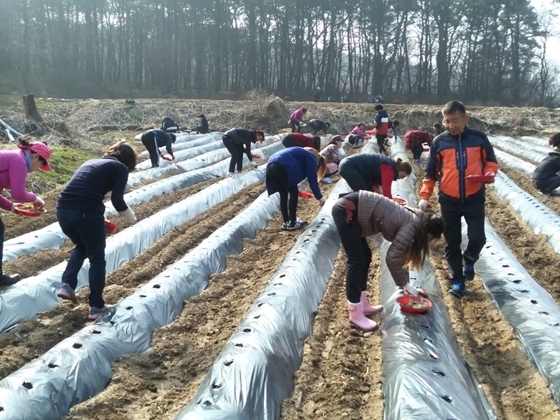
{"type": "Point", "coordinates": [456, 154]}
{"type": "Point", "coordinates": [318, 94]}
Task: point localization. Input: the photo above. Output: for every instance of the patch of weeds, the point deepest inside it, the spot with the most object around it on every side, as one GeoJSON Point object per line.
{"type": "Point", "coordinates": [64, 162]}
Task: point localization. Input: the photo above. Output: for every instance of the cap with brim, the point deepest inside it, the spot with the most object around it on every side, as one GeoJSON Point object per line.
{"type": "Point", "coordinates": [42, 150]}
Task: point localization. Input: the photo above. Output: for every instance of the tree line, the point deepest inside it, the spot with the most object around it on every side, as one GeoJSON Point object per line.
{"type": "Point", "coordinates": [483, 51]}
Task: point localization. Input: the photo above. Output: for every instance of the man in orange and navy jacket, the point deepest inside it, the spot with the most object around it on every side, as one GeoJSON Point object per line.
{"type": "Point", "coordinates": [456, 154]}
{"type": "Point", "coordinates": [382, 125]}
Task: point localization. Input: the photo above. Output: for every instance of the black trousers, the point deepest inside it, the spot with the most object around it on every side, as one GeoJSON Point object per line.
{"type": "Point", "coordinates": [278, 176]}
{"type": "Point", "coordinates": [149, 141]}
{"type": "Point", "coordinates": [358, 252]}
{"type": "Point", "coordinates": [381, 142]}
{"type": "Point", "coordinates": [451, 213]}
{"type": "Point", "coordinates": [296, 128]}
{"type": "Point", "coordinates": [417, 151]}
{"type": "Point", "coordinates": [547, 185]}
{"type": "Point", "coordinates": [236, 151]}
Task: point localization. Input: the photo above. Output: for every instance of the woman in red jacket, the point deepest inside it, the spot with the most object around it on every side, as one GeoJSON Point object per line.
{"type": "Point", "coordinates": [358, 215]}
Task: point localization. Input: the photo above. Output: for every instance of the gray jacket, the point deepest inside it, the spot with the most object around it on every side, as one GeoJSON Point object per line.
{"type": "Point", "coordinates": [397, 224]}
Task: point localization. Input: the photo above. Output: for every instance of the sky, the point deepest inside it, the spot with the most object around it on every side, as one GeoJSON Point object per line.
{"type": "Point", "coordinates": [553, 46]}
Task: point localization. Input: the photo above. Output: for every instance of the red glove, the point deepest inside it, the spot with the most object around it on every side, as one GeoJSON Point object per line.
{"type": "Point", "coordinates": [305, 194]}
{"type": "Point", "coordinates": [167, 158]}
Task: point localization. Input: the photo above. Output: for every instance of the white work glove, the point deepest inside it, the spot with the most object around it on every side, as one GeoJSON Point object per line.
{"type": "Point", "coordinates": [423, 204]}
{"type": "Point", "coordinates": [128, 215]}
{"type": "Point", "coordinates": [322, 201]}
{"type": "Point", "coordinates": [38, 202]}
{"type": "Point", "coordinates": [253, 164]}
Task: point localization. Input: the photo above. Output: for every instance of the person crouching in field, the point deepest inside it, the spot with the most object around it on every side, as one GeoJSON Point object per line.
{"type": "Point", "coordinates": [331, 153]}
{"type": "Point", "coordinates": [80, 213]}
{"type": "Point", "coordinates": [238, 141]}
{"type": "Point", "coordinates": [285, 170]}
{"type": "Point", "coordinates": [414, 140]}
{"type": "Point", "coordinates": [169, 125]}
{"type": "Point", "coordinates": [203, 127]}
{"type": "Point", "coordinates": [358, 215]}
{"type": "Point", "coordinates": [296, 119]}
{"type": "Point", "coordinates": [319, 126]}
{"type": "Point", "coordinates": [153, 140]}
{"type": "Point", "coordinates": [14, 167]}
{"type": "Point", "coordinates": [545, 176]}
{"type": "Point", "coordinates": [301, 140]}
{"type": "Point", "coordinates": [373, 172]}
{"type": "Point", "coordinates": [358, 135]}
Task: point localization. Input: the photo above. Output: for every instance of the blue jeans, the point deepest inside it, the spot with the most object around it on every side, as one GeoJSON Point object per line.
{"type": "Point", "coordinates": [87, 232]}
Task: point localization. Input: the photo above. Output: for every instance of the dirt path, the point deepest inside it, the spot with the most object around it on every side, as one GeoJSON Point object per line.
{"type": "Point", "coordinates": [511, 382]}
{"type": "Point", "coordinates": [158, 383]}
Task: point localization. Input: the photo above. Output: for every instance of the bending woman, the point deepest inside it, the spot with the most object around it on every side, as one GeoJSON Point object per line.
{"type": "Point", "coordinates": [373, 172]}
{"type": "Point", "coordinates": [285, 170]}
{"type": "Point", "coordinates": [238, 141]}
{"type": "Point", "coordinates": [358, 215]}
{"type": "Point", "coordinates": [80, 213]}
{"type": "Point", "coordinates": [331, 153]}
{"type": "Point", "coordinates": [14, 167]}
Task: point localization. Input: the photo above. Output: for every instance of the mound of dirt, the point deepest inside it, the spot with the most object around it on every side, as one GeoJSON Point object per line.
{"type": "Point", "coordinates": [88, 119]}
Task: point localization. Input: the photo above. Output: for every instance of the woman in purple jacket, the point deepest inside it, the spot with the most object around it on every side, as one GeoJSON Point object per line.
{"type": "Point", "coordinates": [14, 167]}
{"type": "Point", "coordinates": [285, 170]}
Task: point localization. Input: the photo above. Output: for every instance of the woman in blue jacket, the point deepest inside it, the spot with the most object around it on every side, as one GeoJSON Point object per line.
{"type": "Point", "coordinates": [80, 213]}
{"type": "Point", "coordinates": [285, 170]}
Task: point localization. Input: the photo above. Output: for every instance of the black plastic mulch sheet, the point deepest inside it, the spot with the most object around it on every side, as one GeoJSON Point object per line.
{"type": "Point", "coordinates": [425, 375]}
{"type": "Point", "coordinates": [528, 307]}
{"type": "Point", "coordinates": [80, 366]}
{"type": "Point", "coordinates": [254, 372]}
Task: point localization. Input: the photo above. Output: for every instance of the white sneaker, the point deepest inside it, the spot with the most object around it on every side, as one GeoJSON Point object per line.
{"type": "Point", "coordinates": [229, 174]}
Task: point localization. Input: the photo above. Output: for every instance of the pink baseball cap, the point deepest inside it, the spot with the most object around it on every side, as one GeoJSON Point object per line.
{"type": "Point", "coordinates": [42, 150]}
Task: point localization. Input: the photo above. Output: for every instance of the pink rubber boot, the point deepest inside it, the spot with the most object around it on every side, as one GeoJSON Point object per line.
{"type": "Point", "coordinates": [358, 319]}
{"type": "Point", "coordinates": [367, 308]}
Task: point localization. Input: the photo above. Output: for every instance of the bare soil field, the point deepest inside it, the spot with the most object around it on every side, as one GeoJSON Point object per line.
{"type": "Point", "coordinates": [341, 373]}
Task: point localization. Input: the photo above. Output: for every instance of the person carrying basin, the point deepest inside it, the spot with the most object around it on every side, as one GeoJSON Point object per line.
{"type": "Point", "coordinates": [545, 177]}
{"type": "Point", "coordinates": [455, 155]}
{"type": "Point", "coordinates": [358, 215]}
{"type": "Point", "coordinates": [373, 172]}
{"type": "Point", "coordinates": [285, 170]}
{"type": "Point", "coordinates": [238, 141]}
{"type": "Point", "coordinates": [80, 213]}
{"type": "Point", "coordinates": [14, 167]}
{"type": "Point", "coordinates": [296, 119]}
{"type": "Point", "coordinates": [153, 140]}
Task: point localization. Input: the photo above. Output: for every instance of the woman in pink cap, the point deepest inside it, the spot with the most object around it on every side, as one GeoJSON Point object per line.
{"type": "Point", "coordinates": [14, 167]}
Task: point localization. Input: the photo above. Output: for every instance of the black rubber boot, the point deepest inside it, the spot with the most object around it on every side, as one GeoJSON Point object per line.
{"type": "Point", "coordinates": [9, 280]}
